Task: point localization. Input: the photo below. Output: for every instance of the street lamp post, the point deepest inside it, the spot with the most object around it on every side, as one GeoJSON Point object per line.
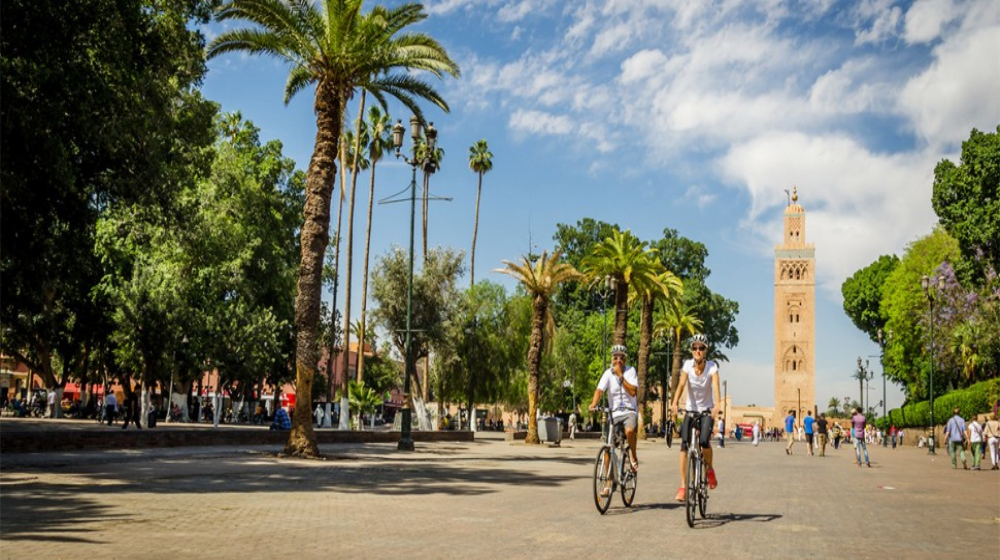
{"type": "Point", "coordinates": [607, 287]}
{"type": "Point", "coordinates": [881, 359]}
{"type": "Point", "coordinates": [406, 438]}
{"type": "Point", "coordinates": [865, 373]}
{"type": "Point", "coordinates": [471, 331]}
{"type": "Point", "coordinates": [925, 284]}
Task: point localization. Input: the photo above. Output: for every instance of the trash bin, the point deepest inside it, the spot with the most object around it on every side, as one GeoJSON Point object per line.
{"type": "Point", "coordinates": [151, 419]}
{"type": "Point", "coordinates": [550, 430]}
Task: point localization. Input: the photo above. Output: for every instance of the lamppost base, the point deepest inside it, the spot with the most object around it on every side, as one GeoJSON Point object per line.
{"type": "Point", "coordinates": [405, 445]}
{"type": "Point", "coordinates": [930, 446]}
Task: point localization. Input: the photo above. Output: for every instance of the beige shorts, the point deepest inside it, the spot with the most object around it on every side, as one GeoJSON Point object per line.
{"type": "Point", "coordinates": [790, 436]}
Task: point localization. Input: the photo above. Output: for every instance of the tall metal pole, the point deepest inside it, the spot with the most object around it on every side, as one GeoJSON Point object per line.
{"type": "Point", "coordinates": [406, 438]}
{"type": "Point", "coordinates": [930, 447]}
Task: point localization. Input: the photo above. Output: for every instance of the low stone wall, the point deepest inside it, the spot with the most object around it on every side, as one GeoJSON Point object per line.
{"type": "Point", "coordinates": [72, 440]}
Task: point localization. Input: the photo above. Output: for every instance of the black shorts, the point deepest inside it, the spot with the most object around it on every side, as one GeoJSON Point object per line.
{"type": "Point", "coordinates": [706, 431]}
{"type": "Point", "coordinates": [809, 439]}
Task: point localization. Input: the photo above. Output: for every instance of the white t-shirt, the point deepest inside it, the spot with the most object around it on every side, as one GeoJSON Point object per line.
{"type": "Point", "coordinates": [621, 402]}
{"type": "Point", "coordinates": [699, 387]}
{"type": "Point", "coordinates": [975, 432]}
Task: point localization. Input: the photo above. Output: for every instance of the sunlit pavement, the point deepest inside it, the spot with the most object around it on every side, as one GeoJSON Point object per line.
{"type": "Point", "coordinates": [488, 499]}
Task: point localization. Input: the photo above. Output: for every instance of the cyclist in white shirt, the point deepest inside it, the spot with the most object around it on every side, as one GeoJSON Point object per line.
{"type": "Point", "coordinates": [620, 382]}
{"type": "Point", "coordinates": [701, 379]}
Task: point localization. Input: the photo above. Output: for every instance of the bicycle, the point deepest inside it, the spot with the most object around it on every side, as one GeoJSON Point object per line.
{"type": "Point", "coordinates": [612, 469]}
{"type": "Point", "coordinates": [668, 433]}
{"type": "Point", "coordinates": [696, 494]}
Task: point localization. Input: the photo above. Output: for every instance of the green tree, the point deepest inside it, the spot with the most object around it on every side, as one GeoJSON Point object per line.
{"type": "Point", "coordinates": [623, 257]}
{"type": "Point", "coordinates": [434, 297]}
{"type": "Point", "coordinates": [907, 359]}
{"type": "Point", "coordinates": [676, 319]}
{"type": "Point", "coordinates": [540, 279]}
{"type": "Point", "coordinates": [335, 47]}
{"type": "Point", "coordinates": [863, 295]}
{"type": "Point", "coordinates": [100, 95]}
{"type": "Point", "coordinates": [648, 290]}
{"type": "Point", "coordinates": [480, 162]}
{"type": "Point", "coordinates": [967, 200]}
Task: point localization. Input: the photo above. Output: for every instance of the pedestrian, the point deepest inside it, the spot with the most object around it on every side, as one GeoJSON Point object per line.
{"type": "Point", "coordinates": [572, 425]}
{"type": "Point", "coordinates": [838, 433]}
{"type": "Point", "coordinates": [131, 409]}
{"type": "Point", "coordinates": [858, 421]}
{"type": "Point", "coordinates": [893, 434]}
{"type": "Point", "coordinates": [821, 434]}
{"type": "Point", "coordinates": [809, 427]}
{"type": "Point", "coordinates": [52, 404]}
{"type": "Point", "coordinates": [974, 435]}
{"type": "Point", "coordinates": [954, 433]}
{"type": "Point", "coordinates": [111, 407]}
{"type": "Point", "coordinates": [318, 415]}
{"type": "Point", "coordinates": [901, 437]}
{"type": "Point", "coordinates": [756, 433]}
{"type": "Point", "coordinates": [992, 434]}
{"type": "Point", "coordinates": [281, 420]}
{"type": "Point", "coordinates": [790, 431]}
{"type": "Point", "coordinates": [721, 427]}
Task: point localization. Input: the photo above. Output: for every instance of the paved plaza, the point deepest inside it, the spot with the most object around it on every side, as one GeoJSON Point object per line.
{"type": "Point", "coordinates": [487, 499]}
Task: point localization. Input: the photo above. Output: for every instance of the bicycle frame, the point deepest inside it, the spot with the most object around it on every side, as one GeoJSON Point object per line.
{"type": "Point", "coordinates": [613, 473]}
{"type": "Point", "coordinates": [697, 483]}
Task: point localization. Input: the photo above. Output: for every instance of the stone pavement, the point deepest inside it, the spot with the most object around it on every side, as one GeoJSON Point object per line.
{"type": "Point", "coordinates": [486, 499]}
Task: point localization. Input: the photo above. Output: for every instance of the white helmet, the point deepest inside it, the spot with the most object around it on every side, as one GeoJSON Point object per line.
{"type": "Point", "coordinates": [700, 338]}
{"type": "Point", "coordinates": [618, 349]}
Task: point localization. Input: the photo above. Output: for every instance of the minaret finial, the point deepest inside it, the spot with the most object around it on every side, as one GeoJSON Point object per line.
{"type": "Point", "coordinates": [795, 194]}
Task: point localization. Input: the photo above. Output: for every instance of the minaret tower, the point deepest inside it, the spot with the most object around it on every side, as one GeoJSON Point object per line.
{"type": "Point", "coordinates": [794, 317]}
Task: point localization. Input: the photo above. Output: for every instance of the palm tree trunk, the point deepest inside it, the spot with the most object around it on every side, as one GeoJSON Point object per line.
{"type": "Point", "coordinates": [621, 312]}
{"type": "Point", "coordinates": [534, 365]}
{"type": "Point", "coordinates": [675, 368]}
{"type": "Point", "coordinates": [364, 276]}
{"type": "Point", "coordinates": [475, 232]}
{"type": "Point", "coordinates": [344, 421]}
{"type": "Point", "coordinates": [427, 186]}
{"type": "Point", "coordinates": [645, 338]}
{"type": "Point", "coordinates": [350, 239]}
{"type": "Point", "coordinates": [314, 237]}
{"type": "Point", "coordinates": [331, 355]}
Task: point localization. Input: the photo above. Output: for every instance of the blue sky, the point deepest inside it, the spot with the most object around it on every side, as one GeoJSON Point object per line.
{"type": "Point", "coordinates": [691, 115]}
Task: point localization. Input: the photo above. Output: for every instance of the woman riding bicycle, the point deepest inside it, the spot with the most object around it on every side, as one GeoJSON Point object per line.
{"type": "Point", "coordinates": [620, 383]}
{"type": "Point", "coordinates": [701, 379]}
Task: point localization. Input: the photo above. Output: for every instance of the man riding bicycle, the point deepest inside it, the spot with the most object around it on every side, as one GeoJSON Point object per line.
{"type": "Point", "coordinates": [701, 379]}
{"type": "Point", "coordinates": [620, 382]}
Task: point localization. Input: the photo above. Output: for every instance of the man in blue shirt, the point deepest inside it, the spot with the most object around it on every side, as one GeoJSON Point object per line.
{"type": "Point", "coordinates": [954, 431]}
{"type": "Point", "coordinates": [807, 424]}
{"type": "Point", "coordinates": [790, 426]}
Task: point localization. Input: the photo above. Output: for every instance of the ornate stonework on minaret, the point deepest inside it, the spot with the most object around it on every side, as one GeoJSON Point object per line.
{"type": "Point", "coordinates": [794, 317]}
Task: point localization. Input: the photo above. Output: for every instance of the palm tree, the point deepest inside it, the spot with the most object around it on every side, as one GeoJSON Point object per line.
{"type": "Point", "coordinates": [649, 288]}
{"type": "Point", "coordinates": [623, 257]}
{"type": "Point", "coordinates": [332, 45]}
{"type": "Point", "coordinates": [833, 406]}
{"type": "Point", "coordinates": [541, 279]}
{"type": "Point", "coordinates": [677, 318]}
{"type": "Point", "coordinates": [380, 142]}
{"type": "Point", "coordinates": [480, 162]}
{"type": "Point", "coordinates": [362, 399]}
{"type": "Point", "coordinates": [350, 158]}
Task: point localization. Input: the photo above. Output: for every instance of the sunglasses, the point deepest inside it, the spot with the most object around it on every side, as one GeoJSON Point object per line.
{"type": "Point", "coordinates": [698, 348]}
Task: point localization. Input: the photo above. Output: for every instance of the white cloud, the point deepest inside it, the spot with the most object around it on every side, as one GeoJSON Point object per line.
{"type": "Point", "coordinates": [926, 18]}
{"type": "Point", "coordinates": [858, 204]}
{"type": "Point", "coordinates": [642, 66]}
{"type": "Point", "coordinates": [878, 20]}
{"type": "Point", "coordinates": [537, 122]}
{"type": "Point", "coordinates": [959, 91]}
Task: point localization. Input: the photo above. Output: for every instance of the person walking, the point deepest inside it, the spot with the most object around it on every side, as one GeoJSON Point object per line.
{"type": "Point", "coordinates": [992, 434]}
{"type": "Point", "coordinates": [954, 433]}
{"type": "Point", "coordinates": [721, 427]}
{"type": "Point", "coordinates": [809, 427]}
{"type": "Point", "coordinates": [111, 407]}
{"type": "Point", "coordinates": [974, 435]}
{"type": "Point", "coordinates": [572, 425]}
{"type": "Point", "coordinates": [790, 431]}
{"type": "Point", "coordinates": [893, 434]}
{"type": "Point", "coordinates": [838, 433]}
{"type": "Point", "coordinates": [821, 433]}
{"type": "Point", "coordinates": [858, 421]}
{"type": "Point", "coordinates": [132, 410]}
{"type": "Point", "coordinates": [756, 433]}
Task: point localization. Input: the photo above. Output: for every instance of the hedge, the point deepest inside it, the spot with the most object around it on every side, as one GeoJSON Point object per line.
{"type": "Point", "coordinates": [976, 399]}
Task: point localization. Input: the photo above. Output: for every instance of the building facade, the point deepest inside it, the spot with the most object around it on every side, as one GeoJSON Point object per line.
{"type": "Point", "coordinates": [794, 316]}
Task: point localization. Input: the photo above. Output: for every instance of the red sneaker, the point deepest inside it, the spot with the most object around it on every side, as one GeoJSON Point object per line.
{"type": "Point", "coordinates": [681, 494]}
{"type": "Point", "coordinates": [712, 482]}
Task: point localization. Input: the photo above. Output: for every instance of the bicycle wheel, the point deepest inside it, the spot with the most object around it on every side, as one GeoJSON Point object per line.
{"type": "Point", "coordinates": [602, 474]}
{"type": "Point", "coordinates": [669, 434]}
{"type": "Point", "coordinates": [703, 490]}
{"type": "Point", "coordinates": [629, 480]}
{"type": "Point", "coordinates": [691, 493]}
